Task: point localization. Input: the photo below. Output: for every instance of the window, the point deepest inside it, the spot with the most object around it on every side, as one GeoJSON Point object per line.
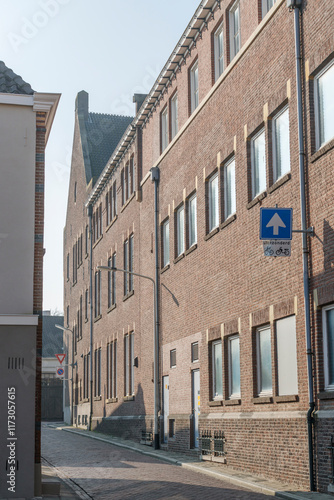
{"type": "Point", "coordinates": [229, 189]}
{"type": "Point", "coordinates": [97, 295]}
{"type": "Point", "coordinates": [286, 356]}
{"type": "Point", "coordinates": [165, 243]}
{"type": "Point", "coordinates": [213, 202]}
{"type": "Point", "coordinates": [131, 176]}
{"type": "Point", "coordinates": [324, 105]}
{"type": "Point", "coordinates": [128, 364]}
{"type": "Point", "coordinates": [97, 223]}
{"type": "Point", "coordinates": [123, 187]}
{"type": "Point", "coordinates": [86, 376]}
{"type": "Point", "coordinates": [75, 192]}
{"type": "Point", "coordinates": [234, 24]}
{"type": "Point", "coordinates": [164, 129]}
{"type": "Point", "coordinates": [217, 370]}
{"type": "Point", "coordinates": [266, 6]}
{"type": "Point", "coordinates": [264, 374]}
{"type": "Point", "coordinates": [67, 316]}
{"type": "Point", "coordinates": [258, 160]}
{"type": "Point", "coordinates": [112, 282]}
{"type": "Point", "coordinates": [180, 231]}
{"type": "Point", "coordinates": [281, 144]}
{"type": "Point", "coordinates": [86, 240]}
{"type": "Point", "coordinates": [328, 343]}
{"type": "Point", "coordinates": [174, 116]}
{"type": "Point", "coordinates": [75, 263]}
{"type": "Point", "coordinates": [219, 51]}
{"type": "Point", "coordinates": [194, 352]}
{"type": "Point", "coordinates": [112, 370]}
{"type": "Point", "coordinates": [192, 220]}
{"type": "Point", "coordinates": [128, 265]}
{"type": "Point", "coordinates": [97, 372]}
{"type": "Point", "coordinates": [80, 318]}
{"type": "Point", "coordinates": [86, 304]}
{"type": "Point", "coordinates": [173, 358]}
{"type": "Point", "coordinates": [68, 267]}
{"type": "Point", "coordinates": [194, 87]}
{"type": "Point", "coordinates": [234, 366]}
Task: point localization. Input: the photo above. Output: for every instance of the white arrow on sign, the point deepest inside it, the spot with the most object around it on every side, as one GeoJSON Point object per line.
{"type": "Point", "coordinates": [275, 222]}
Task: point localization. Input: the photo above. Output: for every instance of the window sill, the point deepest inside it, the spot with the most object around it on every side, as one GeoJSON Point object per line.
{"type": "Point", "coordinates": [74, 283]}
{"type": "Point", "coordinates": [111, 223]}
{"type": "Point", "coordinates": [97, 318]}
{"type": "Point", "coordinates": [164, 269]}
{"type": "Point", "coordinates": [293, 398]}
{"type": "Point", "coordinates": [216, 402]}
{"type": "Point", "coordinates": [326, 394]}
{"type": "Point", "coordinates": [86, 256]}
{"type": "Point", "coordinates": [129, 398]}
{"type": "Point", "coordinates": [279, 182]}
{"type": "Point", "coordinates": [85, 400]}
{"type": "Point", "coordinates": [97, 398]}
{"type": "Point", "coordinates": [111, 308]}
{"type": "Point", "coordinates": [228, 221]}
{"type": "Point", "coordinates": [322, 150]}
{"type": "Point", "coordinates": [98, 241]}
{"type": "Point", "coordinates": [128, 201]}
{"type": "Point", "coordinates": [126, 297]}
{"type": "Point", "coordinates": [232, 402]}
{"type": "Point", "coordinates": [261, 400]}
{"type": "Point", "coordinates": [256, 200]}
{"type": "Point", "coordinates": [111, 400]}
{"type": "Point", "coordinates": [191, 249]}
{"type": "Point", "coordinates": [212, 233]}
{"type": "Point", "coordinates": [180, 257]}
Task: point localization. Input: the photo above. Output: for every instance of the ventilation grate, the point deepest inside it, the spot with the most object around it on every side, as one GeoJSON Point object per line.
{"type": "Point", "coordinates": [15, 363]}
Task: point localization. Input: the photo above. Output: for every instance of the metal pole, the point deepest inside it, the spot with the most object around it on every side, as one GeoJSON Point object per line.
{"type": "Point", "coordinates": [72, 382]}
{"type": "Point", "coordinates": [297, 12]}
{"type": "Point", "coordinates": [90, 213]}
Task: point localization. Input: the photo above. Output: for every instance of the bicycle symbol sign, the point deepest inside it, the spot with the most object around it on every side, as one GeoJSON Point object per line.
{"type": "Point", "coordinates": [277, 248]}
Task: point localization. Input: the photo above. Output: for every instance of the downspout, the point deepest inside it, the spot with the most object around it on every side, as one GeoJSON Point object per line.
{"type": "Point", "coordinates": [296, 5]}
{"type": "Point", "coordinates": [90, 260]}
{"type": "Point", "coordinates": [155, 175]}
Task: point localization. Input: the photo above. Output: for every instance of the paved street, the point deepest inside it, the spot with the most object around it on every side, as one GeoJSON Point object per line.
{"type": "Point", "coordinates": [107, 472]}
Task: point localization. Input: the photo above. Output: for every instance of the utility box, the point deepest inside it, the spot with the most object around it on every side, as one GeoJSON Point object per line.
{"type": "Point", "coordinates": [17, 414]}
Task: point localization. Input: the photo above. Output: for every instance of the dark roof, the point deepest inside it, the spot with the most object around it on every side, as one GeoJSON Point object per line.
{"type": "Point", "coordinates": [103, 134]}
{"type": "Point", "coordinates": [52, 336]}
{"type": "Point", "coordinates": [10, 83]}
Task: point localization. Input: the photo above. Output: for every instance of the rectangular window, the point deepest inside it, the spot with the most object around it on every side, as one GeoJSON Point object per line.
{"type": "Point", "coordinates": [80, 318]}
{"type": "Point", "coordinates": [180, 231]}
{"type": "Point", "coordinates": [258, 160]}
{"type": "Point", "coordinates": [266, 6]}
{"type": "Point", "coordinates": [172, 355]}
{"type": "Point", "coordinates": [114, 200]}
{"type": "Point", "coordinates": [324, 106]}
{"type": "Point", "coordinates": [107, 201]}
{"type": "Point", "coordinates": [75, 263]}
{"type": "Point", "coordinates": [68, 267]}
{"type": "Point", "coordinates": [165, 243]}
{"type": "Point", "coordinates": [328, 346]}
{"type": "Point", "coordinates": [123, 187]}
{"type": "Point", "coordinates": [194, 97]}
{"type": "Point", "coordinates": [229, 189]}
{"type": "Point", "coordinates": [97, 295]}
{"type": "Point", "coordinates": [132, 175]}
{"type": "Point", "coordinates": [264, 374]}
{"type": "Point", "coordinates": [86, 240]}
{"type": "Point", "coordinates": [128, 265]}
{"type": "Point", "coordinates": [234, 366]}
{"type": "Point", "coordinates": [194, 352]}
{"type": "Point", "coordinates": [86, 304]}
{"type": "Point", "coordinates": [174, 116]}
{"type": "Point", "coordinates": [128, 364]}
{"type": "Point", "coordinates": [281, 144]}
{"type": "Point", "coordinates": [219, 51]}
{"type": "Point", "coordinates": [217, 370]}
{"type": "Point", "coordinates": [213, 202]}
{"type": "Point", "coordinates": [112, 370]}
{"type": "Point", "coordinates": [287, 356]}
{"type": "Point", "coordinates": [67, 316]}
{"type": "Point", "coordinates": [192, 220]}
{"type": "Point", "coordinates": [97, 372]}
{"type": "Point", "coordinates": [164, 129]}
{"type": "Point", "coordinates": [112, 282]}
{"type": "Point", "coordinates": [131, 263]}
{"type": "Point", "coordinates": [110, 273]}
{"type": "Point", "coordinates": [234, 24]}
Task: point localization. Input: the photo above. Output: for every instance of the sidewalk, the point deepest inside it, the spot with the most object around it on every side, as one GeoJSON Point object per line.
{"type": "Point", "coordinates": [238, 478]}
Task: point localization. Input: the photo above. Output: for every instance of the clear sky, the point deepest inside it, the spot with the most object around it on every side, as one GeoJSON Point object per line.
{"type": "Point", "coordinates": [110, 48]}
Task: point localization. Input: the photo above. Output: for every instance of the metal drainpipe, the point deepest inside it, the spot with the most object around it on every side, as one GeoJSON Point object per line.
{"type": "Point", "coordinates": [297, 6]}
{"type": "Point", "coordinates": [90, 213]}
{"type": "Point", "coordinates": [155, 176]}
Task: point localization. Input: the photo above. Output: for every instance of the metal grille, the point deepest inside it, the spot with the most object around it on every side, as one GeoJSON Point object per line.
{"type": "Point", "coordinates": [331, 448]}
{"type": "Point", "coordinates": [15, 363]}
{"type": "Point", "coordinates": [206, 442]}
{"type": "Point", "coordinates": [218, 443]}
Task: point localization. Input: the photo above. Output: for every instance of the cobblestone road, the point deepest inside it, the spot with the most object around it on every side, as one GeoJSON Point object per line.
{"type": "Point", "coordinates": [107, 472]}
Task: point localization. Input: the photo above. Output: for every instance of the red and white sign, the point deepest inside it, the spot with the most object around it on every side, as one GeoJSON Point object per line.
{"type": "Point", "coordinates": [60, 372]}
{"type": "Point", "coordinates": [60, 357]}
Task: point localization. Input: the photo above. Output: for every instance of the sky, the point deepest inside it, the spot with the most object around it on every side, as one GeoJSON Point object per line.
{"type": "Point", "coordinates": [110, 48]}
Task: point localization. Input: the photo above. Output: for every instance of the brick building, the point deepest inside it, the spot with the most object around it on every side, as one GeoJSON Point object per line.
{"type": "Point", "coordinates": [231, 128]}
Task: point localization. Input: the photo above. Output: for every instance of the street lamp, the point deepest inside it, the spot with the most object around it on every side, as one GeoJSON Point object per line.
{"type": "Point", "coordinates": [64, 329]}
{"type": "Point", "coordinates": [156, 347]}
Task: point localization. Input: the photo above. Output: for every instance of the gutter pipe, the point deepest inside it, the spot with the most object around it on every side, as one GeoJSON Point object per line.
{"type": "Point", "coordinates": [90, 213]}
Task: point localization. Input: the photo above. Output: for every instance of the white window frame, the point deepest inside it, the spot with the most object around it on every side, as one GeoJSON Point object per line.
{"type": "Point", "coordinates": [192, 220]}
{"type": "Point", "coordinates": [215, 395]}
{"type": "Point", "coordinates": [180, 231]}
{"type": "Point", "coordinates": [233, 395]}
{"type": "Point", "coordinates": [262, 392]}
{"type": "Point", "coordinates": [266, 6]}
{"type": "Point", "coordinates": [328, 385]}
{"type": "Point", "coordinates": [165, 243]}
{"type": "Point", "coordinates": [219, 51]}
{"type": "Point", "coordinates": [279, 146]}
{"type": "Point", "coordinates": [174, 116]}
{"type": "Point", "coordinates": [213, 184]}
{"type": "Point", "coordinates": [234, 35]}
{"type": "Point", "coordinates": [320, 138]}
{"type": "Point", "coordinates": [230, 206]}
{"type": "Point", "coordinates": [194, 87]}
{"type": "Point", "coordinates": [286, 349]}
{"type": "Point", "coordinates": [261, 169]}
{"type": "Point", "coordinates": [164, 129]}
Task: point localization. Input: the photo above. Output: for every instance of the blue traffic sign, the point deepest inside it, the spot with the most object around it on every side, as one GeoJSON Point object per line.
{"type": "Point", "coordinates": [275, 223]}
